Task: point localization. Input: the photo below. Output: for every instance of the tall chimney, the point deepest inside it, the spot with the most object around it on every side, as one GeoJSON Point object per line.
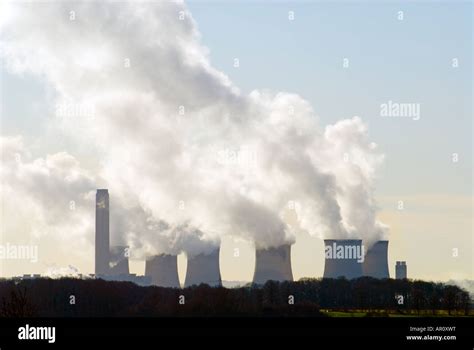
{"type": "Point", "coordinates": [163, 270]}
{"type": "Point", "coordinates": [204, 268]}
{"type": "Point", "coordinates": [344, 258]}
{"type": "Point", "coordinates": [376, 261]}
{"type": "Point", "coordinates": [102, 232]}
{"type": "Point", "coordinates": [273, 264]}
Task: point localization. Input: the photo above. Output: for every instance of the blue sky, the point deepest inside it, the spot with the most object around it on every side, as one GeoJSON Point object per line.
{"type": "Point", "coordinates": [403, 61]}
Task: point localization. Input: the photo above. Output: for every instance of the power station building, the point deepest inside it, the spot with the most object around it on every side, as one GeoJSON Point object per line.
{"type": "Point", "coordinates": [118, 263]}
{"type": "Point", "coordinates": [400, 270]}
{"type": "Point", "coordinates": [111, 263]}
{"type": "Point", "coordinates": [273, 264]}
{"type": "Point", "coordinates": [376, 261]}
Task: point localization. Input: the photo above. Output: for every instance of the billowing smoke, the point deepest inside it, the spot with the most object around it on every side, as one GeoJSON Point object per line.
{"type": "Point", "coordinates": [45, 197]}
{"type": "Point", "coordinates": [187, 157]}
{"type": "Point", "coordinates": [54, 197]}
{"type": "Point", "coordinates": [54, 271]}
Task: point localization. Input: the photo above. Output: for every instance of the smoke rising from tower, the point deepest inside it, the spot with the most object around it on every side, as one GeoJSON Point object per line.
{"type": "Point", "coordinates": [203, 160]}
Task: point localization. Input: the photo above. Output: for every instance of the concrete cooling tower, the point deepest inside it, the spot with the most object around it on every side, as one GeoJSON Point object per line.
{"type": "Point", "coordinates": [163, 270]}
{"type": "Point", "coordinates": [376, 261]}
{"type": "Point", "coordinates": [273, 264]}
{"type": "Point", "coordinates": [118, 264]}
{"type": "Point", "coordinates": [343, 257]}
{"type": "Point", "coordinates": [204, 268]}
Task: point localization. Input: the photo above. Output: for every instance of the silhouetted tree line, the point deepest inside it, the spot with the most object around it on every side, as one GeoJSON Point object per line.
{"type": "Point", "coordinates": [98, 298]}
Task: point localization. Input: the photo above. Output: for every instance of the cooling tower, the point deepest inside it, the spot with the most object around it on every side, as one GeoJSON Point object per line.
{"type": "Point", "coordinates": [102, 232]}
{"type": "Point", "coordinates": [118, 264]}
{"type": "Point", "coordinates": [204, 268]}
{"type": "Point", "coordinates": [163, 270]}
{"type": "Point", "coordinates": [376, 261]}
{"type": "Point", "coordinates": [343, 257]}
{"type": "Point", "coordinates": [273, 264]}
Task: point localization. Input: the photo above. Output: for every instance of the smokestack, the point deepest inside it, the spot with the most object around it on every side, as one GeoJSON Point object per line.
{"type": "Point", "coordinates": [163, 270]}
{"type": "Point", "coordinates": [118, 264]}
{"type": "Point", "coordinates": [273, 264]}
{"type": "Point", "coordinates": [401, 270]}
{"type": "Point", "coordinates": [376, 261]}
{"type": "Point", "coordinates": [204, 268]}
{"type": "Point", "coordinates": [344, 258]}
{"type": "Point", "coordinates": [102, 232]}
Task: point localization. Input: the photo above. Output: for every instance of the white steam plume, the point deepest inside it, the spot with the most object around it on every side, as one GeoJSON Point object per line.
{"type": "Point", "coordinates": [186, 155]}
{"type": "Point", "coordinates": [45, 197]}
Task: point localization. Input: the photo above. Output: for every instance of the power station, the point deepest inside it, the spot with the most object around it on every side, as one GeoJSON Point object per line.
{"type": "Point", "coordinates": [343, 258]}
{"type": "Point", "coordinates": [118, 264]}
{"type": "Point", "coordinates": [111, 263]}
{"type": "Point", "coordinates": [204, 268]}
{"type": "Point", "coordinates": [273, 264]}
{"type": "Point", "coordinates": [102, 233]}
{"type": "Point", "coordinates": [376, 261]}
{"type": "Point", "coordinates": [401, 270]}
{"type": "Point", "coordinates": [163, 270]}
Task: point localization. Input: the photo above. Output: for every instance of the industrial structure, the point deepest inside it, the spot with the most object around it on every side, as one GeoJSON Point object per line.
{"type": "Point", "coordinates": [400, 270]}
{"type": "Point", "coordinates": [343, 258]}
{"type": "Point", "coordinates": [376, 261]}
{"type": "Point", "coordinates": [163, 270]}
{"type": "Point", "coordinates": [111, 263]}
{"type": "Point", "coordinates": [102, 234]}
{"type": "Point", "coordinates": [273, 264]}
{"type": "Point", "coordinates": [118, 263]}
{"type": "Point", "coordinates": [204, 268]}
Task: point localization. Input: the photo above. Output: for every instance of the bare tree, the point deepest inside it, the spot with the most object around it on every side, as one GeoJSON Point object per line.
{"type": "Point", "coordinates": [18, 304]}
